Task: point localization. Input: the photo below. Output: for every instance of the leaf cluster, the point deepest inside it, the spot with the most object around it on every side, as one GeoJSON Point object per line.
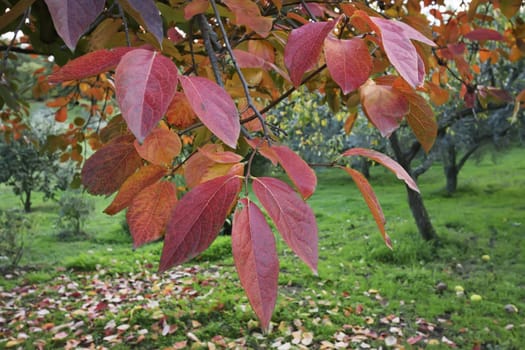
{"type": "Point", "coordinates": [193, 82]}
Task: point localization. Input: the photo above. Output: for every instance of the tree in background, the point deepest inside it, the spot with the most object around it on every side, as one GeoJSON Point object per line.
{"type": "Point", "coordinates": [28, 169]}
{"type": "Point", "coordinates": [193, 82]}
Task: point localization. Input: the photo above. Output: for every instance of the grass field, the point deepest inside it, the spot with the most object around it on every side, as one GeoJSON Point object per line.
{"type": "Point", "coordinates": [99, 292]}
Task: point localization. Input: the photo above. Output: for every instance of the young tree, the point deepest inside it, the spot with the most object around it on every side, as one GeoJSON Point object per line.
{"type": "Point", "coordinates": [26, 168]}
{"type": "Point", "coordinates": [206, 72]}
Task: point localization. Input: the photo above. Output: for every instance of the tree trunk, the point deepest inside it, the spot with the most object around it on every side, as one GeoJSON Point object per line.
{"type": "Point", "coordinates": [450, 168]}
{"type": "Point", "coordinates": [420, 214]}
{"type": "Point", "coordinates": [415, 200]}
{"type": "Point", "coordinates": [27, 202]}
{"type": "Point", "coordinates": [451, 174]}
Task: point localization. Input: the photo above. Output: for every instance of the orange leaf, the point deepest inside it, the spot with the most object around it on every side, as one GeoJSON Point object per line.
{"type": "Point", "coordinates": [349, 123]}
{"type": "Point", "coordinates": [371, 200]}
{"type": "Point", "coordinates": [384, 106]}
{"type": "Point", "coordinates": [422, 122]}
{"type": "Point", "coordinates": [149, 212]}
{"type": "Point", "coordinates": [180, 114]}
{"type": "Point", "coordinates": [61, 114]}
{"type": "Point", "coordinates": [255, 256]}
{"type": "Point", "coordinates": [160, 147]}
{"type": "Point", "coordinates": [438, 96]}
{"type": "Point", "coordinates": [247, 13]}
{"type": "Point", "coordinates": [264, 149]}
{"type": "Point", "coordinates": [386, 161]}
{"type": "Point", "coordinates": [58, 102]}
{"type": "Point", "coordinates": [209, 162]}
{"type": "Point", "coordinates": [144, 177]}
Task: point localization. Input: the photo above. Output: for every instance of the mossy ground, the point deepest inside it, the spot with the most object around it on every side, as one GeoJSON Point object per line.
{"type": "Point", "coordinates": [362, 285]}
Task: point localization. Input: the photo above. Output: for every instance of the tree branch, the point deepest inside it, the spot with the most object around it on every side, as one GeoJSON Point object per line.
{"type": "Point", "coordinates": [125, 22]}
{"type": "Point", "coordinates": [205, 32]}
{"type": "Point", "coordinates": [24, 51]}
{"type": "Point", "coordinates": [244, 83]}
{"type": "Point", "coordinates": [12, 43]}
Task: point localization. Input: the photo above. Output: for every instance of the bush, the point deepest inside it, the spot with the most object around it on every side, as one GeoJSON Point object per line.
{"type": "Point", "coordinates": [14, 228]}
{"type": "Point", "coordinates": [74, 209]}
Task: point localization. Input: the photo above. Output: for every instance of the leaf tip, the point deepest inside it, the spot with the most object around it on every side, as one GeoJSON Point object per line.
{"type": "Point", "coordinates": [388, 242]}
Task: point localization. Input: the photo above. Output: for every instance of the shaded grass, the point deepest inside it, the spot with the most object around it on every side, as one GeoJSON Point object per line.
{"type": "Point", "coordinates": [356, 270]}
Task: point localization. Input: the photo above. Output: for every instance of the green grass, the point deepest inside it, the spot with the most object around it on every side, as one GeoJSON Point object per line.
{"type": "Point", "coordinates": [361, 282]}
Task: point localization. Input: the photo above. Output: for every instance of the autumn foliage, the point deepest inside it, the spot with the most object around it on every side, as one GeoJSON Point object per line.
{"type": "Point", "coordinates": [193, 81]}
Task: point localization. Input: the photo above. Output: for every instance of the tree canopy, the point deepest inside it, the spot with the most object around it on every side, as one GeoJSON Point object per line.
{"type": "Point", "coordinates": [193, 81]}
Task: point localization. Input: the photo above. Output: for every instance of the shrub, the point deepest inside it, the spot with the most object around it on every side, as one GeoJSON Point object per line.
{"type": "Point", "coordinates": [14, 228]}
{"type": "Point", "coordinates": [74, 209]}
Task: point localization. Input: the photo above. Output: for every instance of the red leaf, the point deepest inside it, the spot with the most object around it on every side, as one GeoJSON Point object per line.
{"type": "Point", "coordinates": [304, 47]}
{"type": "Point", "coordinates": [348, 61]}
{"type": "Point", "coordinates": [247, 13]}
{"type": "Point", "coordinates": [107, 169]}
{"type": "Point", "coordinates": [197, 219]}
{"type": "Point", "coordinates": [149, 212]}
{"type": "Point", "coordinates": [481, 34]}
{"type": "Point", "coordinates": [145, 83]}
{"type": "Point", "coordinates": [255, 256]}
{"type": "Point", "coordinates": [195, 7]}
{"type": "Point", "coordinates": [386, 161]}
{"type": "Point", "coordinates": [214, 107]}
{"type": "Point", "coordinates": [147, 14]}
{"type": "Point", "coordinates": [415, 339]}
{"type": "Point", "coordinates": [89, 65]}
{"type": "Point", "coordinates": [302, 176]}
{"type": "Point", "coordinates": [73, 17]}
{"type": "Point", "coordinates": [293, 218]}
{"type": "Point", "coordinates": [395, 37]}
{"type": "Point", "coordinates": [160, 147]}
{"type": "Point", "coordinates": [384, 106]}
{"type": "Point", "coordinates": [144, 177]}
{"type": "Point", "coordinates": [372, 202]}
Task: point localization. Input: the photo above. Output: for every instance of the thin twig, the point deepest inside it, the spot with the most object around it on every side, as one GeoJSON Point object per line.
{"type": "Point", "coordinates": [307, 9]}
{"type": "Point", "coordinates": [12, 43]}
{"type": "Point", "coordinates": [125, 22]}
{"type": "Point", "coordinates": [190, 41]}
{"type": "Point", "coordinates": [244, 83]}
